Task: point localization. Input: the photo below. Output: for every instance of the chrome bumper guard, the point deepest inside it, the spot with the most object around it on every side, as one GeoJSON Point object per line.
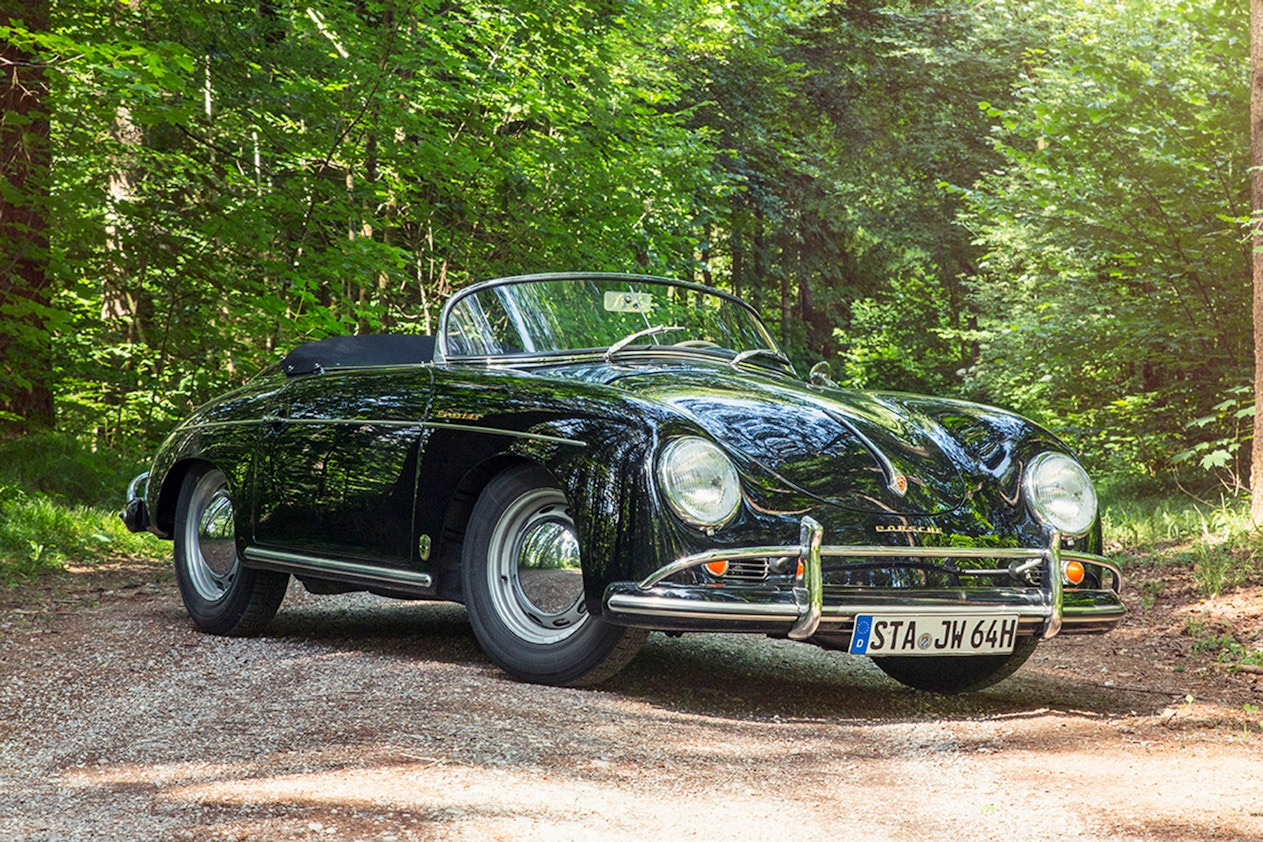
{"type": "Point", "coordinates": [1046, 611]}
{"type": "Point", "coordinates": [135, 516]}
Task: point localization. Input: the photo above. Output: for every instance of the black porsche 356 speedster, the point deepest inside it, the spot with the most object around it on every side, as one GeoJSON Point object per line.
{"type": "Point", "coordinates": [583, 458]}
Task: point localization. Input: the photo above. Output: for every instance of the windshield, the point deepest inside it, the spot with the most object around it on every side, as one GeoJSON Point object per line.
{"type": "Point", "coordinates": [600, 314]}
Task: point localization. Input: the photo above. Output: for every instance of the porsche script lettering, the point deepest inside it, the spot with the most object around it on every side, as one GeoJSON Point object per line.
{"type": "Point", "coordinates": [908, 529]}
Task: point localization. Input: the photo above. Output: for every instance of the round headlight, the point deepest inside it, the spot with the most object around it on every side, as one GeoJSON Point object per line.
{"type": "Point", "coordinates": [699, 482]}
{"type": "Point", "coordinates": [1060, 493]}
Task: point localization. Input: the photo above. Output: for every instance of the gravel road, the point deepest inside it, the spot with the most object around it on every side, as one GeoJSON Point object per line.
{"type": "Point", "coordinates": [357, 718]}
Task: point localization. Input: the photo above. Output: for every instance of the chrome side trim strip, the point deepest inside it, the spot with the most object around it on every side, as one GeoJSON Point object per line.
{"type": "Point", "coordinates": [362, 422]}
{"type": "Point", "coordinates": [497, 432]}
{"type": "Point", "coordinates": [342, 569]}
{"type": "Point", "coordinates": [384, 422]}
{"type": "Point", "coordinates": [251, 422]}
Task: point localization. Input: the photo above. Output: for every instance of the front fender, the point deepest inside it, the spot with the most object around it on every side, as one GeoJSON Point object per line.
{"type": "Point", "coordinates": [224, 433]}
{"type": "Point", "coordinates": [609, 484]}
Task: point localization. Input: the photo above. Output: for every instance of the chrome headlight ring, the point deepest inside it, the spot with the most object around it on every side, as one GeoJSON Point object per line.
{"type": "Point", "coordinates": [699, 482]}
{"type": "Point", "coordinates": [1059, 493]}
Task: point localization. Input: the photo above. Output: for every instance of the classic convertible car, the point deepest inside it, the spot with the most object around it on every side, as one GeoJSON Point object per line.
{"type": "Point", "coordinates": [583, 458]}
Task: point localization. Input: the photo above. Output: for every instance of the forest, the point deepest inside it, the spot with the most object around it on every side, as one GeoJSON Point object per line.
{"type": "Point", "coordinates": [1037, 204]}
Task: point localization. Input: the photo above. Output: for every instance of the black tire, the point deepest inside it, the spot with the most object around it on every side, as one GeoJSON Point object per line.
{"type": "Point", "coordinates": [523, 587]}
{"type": "Point", "coordinates": [222, 595]}
{"type": "Point", "coordinates": [958, 674]}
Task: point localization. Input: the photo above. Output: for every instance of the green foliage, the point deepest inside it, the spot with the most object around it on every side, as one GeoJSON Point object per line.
{"type": "Point", "coordinates": [59, 502]}
{"type": "Point", "coordinates": [1227, 649]}
{"type": "Point", "coordinates": [1218, 442]}
{"type": "Point", "coordinates": [1138, 525]}
{"type": "Point", "coordinates": [68, 469]}
{"type": "Point", "coordinates": [837, 139]}
{"type": "Point", "coordinates": [883, 348]}
{"type": "Point", "coordinates": [1033, 203]}
{"type": "Point", "coordinates": [1218, 544]}
{"type": "Point", "coordinates": [1112, 299]}
{"type": "Point", "coordinates": [235, 178]}
{"type": "Point", "coordinates": [39, 533]}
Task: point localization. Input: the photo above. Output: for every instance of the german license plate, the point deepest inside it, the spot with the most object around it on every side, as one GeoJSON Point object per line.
{"type": "Point", "coordinates": [877, 635]}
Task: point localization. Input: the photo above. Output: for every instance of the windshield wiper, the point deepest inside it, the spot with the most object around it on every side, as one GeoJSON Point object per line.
{"type": "Point", "coordinates": [640, 334]}
{"type": "Point", "coordinates": [758, 352]}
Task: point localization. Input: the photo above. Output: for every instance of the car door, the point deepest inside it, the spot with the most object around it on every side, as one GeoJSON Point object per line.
{"type": "Point", "coordinates": [336, 473]}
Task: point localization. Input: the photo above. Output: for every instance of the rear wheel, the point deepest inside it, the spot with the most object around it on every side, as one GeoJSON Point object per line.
{"type": "Point", "coordinates": [524, 586]}
{"type": "Point", "coordinates": [221, 594]}
{"type": "Point", "coordinates": [958, 674]}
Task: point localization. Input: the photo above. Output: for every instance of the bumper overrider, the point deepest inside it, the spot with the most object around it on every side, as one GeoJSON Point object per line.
{"type": "Point", "coordinates": [810, 607]}
{"type": "Point", "coordinates": [135, 515]}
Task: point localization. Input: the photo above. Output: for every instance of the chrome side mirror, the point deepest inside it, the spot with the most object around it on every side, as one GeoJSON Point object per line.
{"type": "Point", "coordinates": [820, 375]}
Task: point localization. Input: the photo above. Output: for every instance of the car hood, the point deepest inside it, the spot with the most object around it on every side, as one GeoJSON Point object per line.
{"type": "Point", "coordinates": [858, 450]}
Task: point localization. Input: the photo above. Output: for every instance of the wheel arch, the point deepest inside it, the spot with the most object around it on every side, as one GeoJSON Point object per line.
{"type": "Point", "coordinates": [168, 496]}
{"type": "Point", "coordinates": [169, 493]}
{"type": "Point", "coordinates": [580, 483]}
{"type": "Point", "coordinates": [456, 520]}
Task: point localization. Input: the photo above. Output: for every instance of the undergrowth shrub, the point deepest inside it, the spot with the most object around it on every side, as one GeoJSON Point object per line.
{"type": "Point", "coordinates": [68, 469]}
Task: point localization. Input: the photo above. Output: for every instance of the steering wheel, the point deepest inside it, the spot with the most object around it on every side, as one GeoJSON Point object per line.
{"type": "Point", "coordinates": [697, 343]}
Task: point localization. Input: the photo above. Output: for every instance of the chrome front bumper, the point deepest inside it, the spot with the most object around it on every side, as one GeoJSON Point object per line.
{"type": "Point", "coordinates": [810, 607]}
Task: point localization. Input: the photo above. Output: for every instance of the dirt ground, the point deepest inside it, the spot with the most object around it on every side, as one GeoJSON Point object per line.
{"type": "Point", "coordinates": [357, 718]}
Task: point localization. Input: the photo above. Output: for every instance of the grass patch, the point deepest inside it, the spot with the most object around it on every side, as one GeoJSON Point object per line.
{"type": "Point", "coordinates": [1225, 647]}
{"type": "Point", "coordinates": [39, 533]}
{"type": "Point", "coordinates": [59, 502]}
{"type": "Point", "coordinates": [1218, 544]}
{"type": "Point", "coordinates": [1151, 524]}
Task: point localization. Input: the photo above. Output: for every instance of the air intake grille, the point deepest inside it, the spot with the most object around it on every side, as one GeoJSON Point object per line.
{"type": "Point", "coordinates": [749, 570]}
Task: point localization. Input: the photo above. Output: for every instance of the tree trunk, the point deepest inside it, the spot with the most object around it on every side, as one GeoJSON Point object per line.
{"type": "Point", "coordinates": [790, 257]}
{"type": "Point", "coordinates": [1256, 202]}
{"type": "Point", "coordinates": [26, 376]}
{"type": "Point", "coordinates": [737, 249]}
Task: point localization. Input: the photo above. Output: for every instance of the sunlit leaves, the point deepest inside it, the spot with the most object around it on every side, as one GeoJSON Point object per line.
{"type": "Point", "coordinates": [1114, 260]}
{"type": "Point", "coordinates": [237, 177]}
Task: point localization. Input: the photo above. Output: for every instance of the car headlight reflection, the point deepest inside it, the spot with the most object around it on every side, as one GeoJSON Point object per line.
{"type": "Point", "coordinates": [1060, 494]}
{"type": "Point", "coordinates": [699, 482]}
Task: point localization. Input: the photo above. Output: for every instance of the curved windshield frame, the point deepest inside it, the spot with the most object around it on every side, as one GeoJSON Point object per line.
{"type": "Point", "coordinates": [546, 316]}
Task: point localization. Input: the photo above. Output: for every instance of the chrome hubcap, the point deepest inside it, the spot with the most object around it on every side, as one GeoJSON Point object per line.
{"type": "Point", "coordinates": [211, 561]}
{"type": "Point", "coordinates": [533, 569]}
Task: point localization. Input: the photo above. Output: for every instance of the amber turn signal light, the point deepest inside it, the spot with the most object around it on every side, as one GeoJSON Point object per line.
{"type": "Point", "coordinates": [717, 568]}
{"type": "Point", "coordinates": [1074, 572]}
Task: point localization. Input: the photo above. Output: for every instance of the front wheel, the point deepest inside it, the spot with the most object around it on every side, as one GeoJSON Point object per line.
{"type": "Point", "coordinates": [957, 674]}
{"type": "Point", "coordinates": [524, 586]}
{"type": "Point", "coordinates": [221, 594]}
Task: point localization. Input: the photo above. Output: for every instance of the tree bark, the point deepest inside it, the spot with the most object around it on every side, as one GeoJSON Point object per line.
{"type": "Point", "coordinates": [1256, 203]}
{"type": "Point", "coordinates": [26, 397]}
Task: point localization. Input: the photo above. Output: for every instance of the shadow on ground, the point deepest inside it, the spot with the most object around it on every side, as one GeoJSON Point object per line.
{"type": "Point", "coordinates": [743, 677]}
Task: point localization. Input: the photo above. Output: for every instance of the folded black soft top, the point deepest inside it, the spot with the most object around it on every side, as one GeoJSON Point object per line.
{"type": "Point", "coordinates": [358, 351]}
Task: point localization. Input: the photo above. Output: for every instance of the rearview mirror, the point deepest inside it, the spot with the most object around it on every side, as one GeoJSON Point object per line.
{"type": "Point", "coordinates": [820, 375]}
